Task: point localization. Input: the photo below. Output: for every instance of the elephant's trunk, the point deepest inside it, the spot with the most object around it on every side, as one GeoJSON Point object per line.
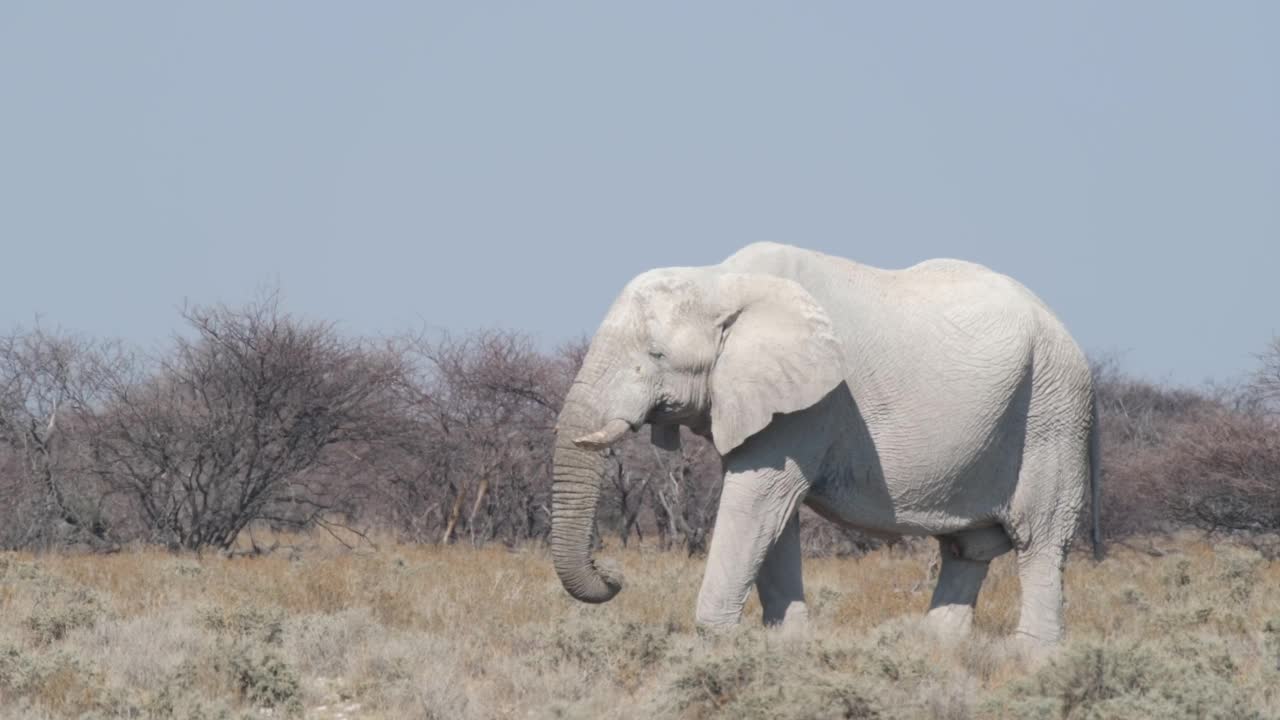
{"type": "Point", "coordinates": [575, 491]}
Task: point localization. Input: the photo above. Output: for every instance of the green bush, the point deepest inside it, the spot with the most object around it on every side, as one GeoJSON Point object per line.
{"type": "Point", "coordinates": [266, 680]}
{"type": "Point", "coordinates": [1271, 640]}
{"type": "Point", "coordinates": [245, 623]}
{"type": "Point", "coordinates": [57, 613]}
{"type": "Point", "coordinates": [1238, 575]}
{"type": "Point", "coordinates": [46, 677]}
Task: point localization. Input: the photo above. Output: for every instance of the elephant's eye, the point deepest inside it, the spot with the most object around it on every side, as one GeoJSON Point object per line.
{"type": "Point", "coordinates": [656, 354]}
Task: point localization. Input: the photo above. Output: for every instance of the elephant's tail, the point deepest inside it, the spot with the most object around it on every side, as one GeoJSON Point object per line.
{"type": "Point", "coordinates": [1095, 483]}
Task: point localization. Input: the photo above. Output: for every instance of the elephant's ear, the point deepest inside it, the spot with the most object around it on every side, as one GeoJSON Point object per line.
{"type": "Point", "coordinates": [779, 354]}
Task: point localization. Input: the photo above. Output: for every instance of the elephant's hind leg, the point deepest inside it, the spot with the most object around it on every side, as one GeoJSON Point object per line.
{"type": "Point", "coordinates": [966, 557]}
{"type": "Point", "coordinates": [779, 583]}
{"type": "Point", "coordinates": [1043, 535]}
{"type": "Point", "coordinates": [1040, 575]}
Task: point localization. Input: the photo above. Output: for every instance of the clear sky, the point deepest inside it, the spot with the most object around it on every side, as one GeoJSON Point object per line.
{"type": "Point", "coordinates": [512, 164]}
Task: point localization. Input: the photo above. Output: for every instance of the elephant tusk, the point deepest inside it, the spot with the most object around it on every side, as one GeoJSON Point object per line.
{"type": "Point", "coordinates": [602, 439]}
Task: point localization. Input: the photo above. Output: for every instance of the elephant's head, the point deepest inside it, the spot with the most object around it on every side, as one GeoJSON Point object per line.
{"type": "Point", "coordinates": [717, 351]}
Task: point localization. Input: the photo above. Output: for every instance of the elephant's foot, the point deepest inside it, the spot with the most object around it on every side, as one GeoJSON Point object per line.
{"type": "Point", "coordinates": [1038, 630]}
{"type": "Point", "coordinates": [1040, 619]}
{"type": "Point", "coordinates": [956, 594]}
{"type": "Point", "coordinates": [711, 617]}
{"type": "Point", "coordinates": [1034, 649]}
{"type": "Point", "coordinates": [950, 622]}
{"type": "Point", "coordinates": [710, 632]}
{"type": "Point", "coordinates": [792, 620]}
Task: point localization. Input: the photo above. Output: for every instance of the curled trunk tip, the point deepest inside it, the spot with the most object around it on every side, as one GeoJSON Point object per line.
{"type": "Point", "coordinates": [594, 583]}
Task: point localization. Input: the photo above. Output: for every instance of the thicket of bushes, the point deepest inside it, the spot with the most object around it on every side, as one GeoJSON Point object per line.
{"type": "Point", "coordinates": [252, 417]}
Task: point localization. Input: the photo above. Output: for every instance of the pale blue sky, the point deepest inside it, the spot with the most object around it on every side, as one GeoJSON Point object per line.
{"type": "Point", "coordinates": [465, 165]}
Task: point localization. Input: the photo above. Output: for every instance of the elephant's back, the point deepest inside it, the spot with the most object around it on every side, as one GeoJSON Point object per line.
{"type": "Point", "coordinates": [939, 323]}
{"type": "Point", "coordinates": [932, 286]}
{"type": "Point", "coordinates": [968, 290]}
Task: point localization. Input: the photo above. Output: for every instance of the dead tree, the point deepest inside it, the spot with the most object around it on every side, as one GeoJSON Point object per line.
{"type": "Point", "coordinates": [483, 407]}
{"type": "Point", "coordinates": [51, 384]}
{"type": "Point", "coordinates": [236, 424]}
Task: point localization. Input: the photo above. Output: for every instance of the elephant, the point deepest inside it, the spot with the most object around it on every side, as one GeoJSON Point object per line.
{"type": "Point", "coordinates": [944, 399]}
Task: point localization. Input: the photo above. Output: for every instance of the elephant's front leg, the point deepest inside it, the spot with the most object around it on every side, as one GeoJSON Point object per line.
{"type": "Point", "coordinates": [756, 507]}
{"type": "Point", "coordinates": [779, 583]}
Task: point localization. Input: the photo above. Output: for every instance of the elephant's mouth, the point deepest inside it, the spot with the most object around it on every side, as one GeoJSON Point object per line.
{"type": "Point", "coordinates": [667, 413]}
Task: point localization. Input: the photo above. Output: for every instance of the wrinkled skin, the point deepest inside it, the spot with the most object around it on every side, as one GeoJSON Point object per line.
{"type": "Point", "coordinates": [943, 400]}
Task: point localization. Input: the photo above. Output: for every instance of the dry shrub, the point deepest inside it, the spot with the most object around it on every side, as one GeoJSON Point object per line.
{"type": "Point", "coordinates": [58, 613]}
{"type": "Point", "coordinates": [1224, 473]}
{"type": "Point", "coordinates": [174, 702]}
{"type": "Point", "coordinates": [246, 655]}
{"type": "Point", "coordinates": [1131, 679]}
{"type": "Point", "coordinates": [1137, 419]}
{"type": "Point", "coordinates": [899, 670]}
{"type": "Point", "coordinates": [1175, 457]}
{"type": "Point", "coordinates": [56, 606]}
{"type": "Point", "coordinates": [264, 679]}
{"type": "Point", "coordinates": [745, 676]}
{"type": "Point", "coordinates": [624, 653]}
{"type": "Point", "coordinates": [322, 644]}
{"type": "Point", "coordinates": [1271, 640]}
{"type": "Point", "coordinates": [245, 623]}
{"type": "Point", "coordinates": [239, 668]}
{"type": "Point", "coordinates": [58, 681]}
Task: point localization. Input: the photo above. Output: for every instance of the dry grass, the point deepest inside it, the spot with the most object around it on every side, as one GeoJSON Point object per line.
{"type": "Point", "coordinates": [424, 632]}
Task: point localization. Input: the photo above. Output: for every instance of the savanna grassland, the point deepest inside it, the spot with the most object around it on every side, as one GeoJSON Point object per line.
{"type": "Point", "coordinates": [131, 584]}
{"type": "Point", "coordinates": [414, 631]}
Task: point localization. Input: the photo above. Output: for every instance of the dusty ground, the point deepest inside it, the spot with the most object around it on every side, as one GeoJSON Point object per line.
{"type": "Point", "coordinates": [423, 632]}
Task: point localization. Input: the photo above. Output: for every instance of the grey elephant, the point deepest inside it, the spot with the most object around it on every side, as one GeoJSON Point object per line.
{"type": "Point", "coordinates": [944, 399]}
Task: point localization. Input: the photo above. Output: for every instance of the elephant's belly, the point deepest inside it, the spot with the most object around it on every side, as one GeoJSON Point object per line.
{"type": "Point", "coordinates": [917, 507]}
{"type": "Point", "coordinates": [890, 523]}
{"type": "Point", "coordinates": [907, 484]}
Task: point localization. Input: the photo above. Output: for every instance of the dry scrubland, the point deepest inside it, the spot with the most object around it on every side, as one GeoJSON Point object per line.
{"type": "Point", "coordinates": [254, 417]}
{"type": "Point", "coordinates": [419, 631]}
